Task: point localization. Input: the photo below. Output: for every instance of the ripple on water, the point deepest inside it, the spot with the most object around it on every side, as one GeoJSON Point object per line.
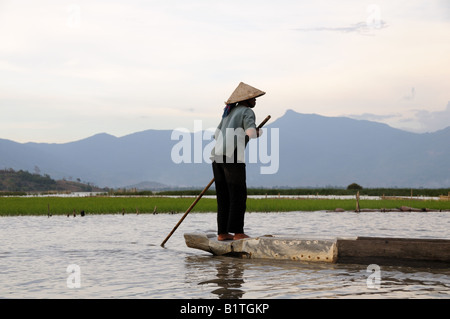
{"type": "Point", "coordinates": [120, 256]}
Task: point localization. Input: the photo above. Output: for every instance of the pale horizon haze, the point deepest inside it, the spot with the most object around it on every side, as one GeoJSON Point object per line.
{"type": "Point", "coordinates": [72, 69]}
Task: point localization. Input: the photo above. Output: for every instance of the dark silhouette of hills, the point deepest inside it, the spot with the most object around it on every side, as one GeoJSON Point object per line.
{"type": "Point", "coordinates": [314, 151]}
{"type": "Point", "coordinates": [23, 181]}
{"type": "Point", "coordinates": [317, 150]}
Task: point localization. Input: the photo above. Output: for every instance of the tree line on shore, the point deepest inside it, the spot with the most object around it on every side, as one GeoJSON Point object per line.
{"type": "Point", "coordinates": [22, 182]}
{"type": "Point", "coordinates": [326, 191]}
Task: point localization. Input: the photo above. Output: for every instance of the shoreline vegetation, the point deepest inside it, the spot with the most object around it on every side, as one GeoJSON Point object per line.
{"type": "Point", "coordinates": [270, 200]}
{"type": "Point", "coordinates": [30, 194]}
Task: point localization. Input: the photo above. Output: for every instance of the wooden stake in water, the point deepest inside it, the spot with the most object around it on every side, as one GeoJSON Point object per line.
{"type": "Point", "coordinates": [357, 202]}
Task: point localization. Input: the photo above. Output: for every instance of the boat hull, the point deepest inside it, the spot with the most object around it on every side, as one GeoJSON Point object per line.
{"type": "Point", "coordinates": [363, 250]}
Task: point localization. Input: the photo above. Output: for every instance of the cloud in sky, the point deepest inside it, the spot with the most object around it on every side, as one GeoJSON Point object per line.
{"type": "Point", "coordinates": [416, 120]}
{"type": "Point", "coordinates": [431, 121]}
{"type": "Point", "coordinates": [411, 95]}
{"type": "Point", "coordinates": [373, 23]}
{"type": "Point", "coordinates": [70, 69]}
{"type": "Point", "coordinates": [360, 27]}
{"type": "Point", "coordinates": [373, 117]}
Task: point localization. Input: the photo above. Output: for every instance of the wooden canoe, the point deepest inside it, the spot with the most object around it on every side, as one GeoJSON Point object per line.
{"type": "Point", "coordinates": [360, 250]}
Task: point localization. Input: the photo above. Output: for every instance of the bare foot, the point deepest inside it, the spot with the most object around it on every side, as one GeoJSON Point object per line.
{"type": "Point", "coordinates": [223, 237]}
{"type": "Point", "coordinates": [240, 236]}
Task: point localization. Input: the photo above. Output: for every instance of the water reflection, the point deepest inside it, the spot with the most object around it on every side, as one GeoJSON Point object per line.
{"type": "Point", "coordinates": [227, 275]}
{"type": "Point", "coordinates": [120, 257]}
{"type": "Point", "coordinates": [234, 278]}
{"type": "Point", "coordinates": [230, 278]}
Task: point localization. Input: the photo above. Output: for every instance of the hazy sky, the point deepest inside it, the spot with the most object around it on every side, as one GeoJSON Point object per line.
{"type": "Point", "coordinates": [71, 69]}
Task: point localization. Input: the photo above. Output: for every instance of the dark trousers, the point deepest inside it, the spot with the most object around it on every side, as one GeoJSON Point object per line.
{"type": "Point", "coordinates": [231, 190]}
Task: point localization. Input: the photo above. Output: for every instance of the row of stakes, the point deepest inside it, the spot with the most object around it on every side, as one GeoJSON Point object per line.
{"type": "Point", "coordinates": [82, 213]}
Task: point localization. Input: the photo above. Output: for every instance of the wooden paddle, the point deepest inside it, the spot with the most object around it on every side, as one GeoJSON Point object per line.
{"type": "Point", "coordinates": [201, 195]}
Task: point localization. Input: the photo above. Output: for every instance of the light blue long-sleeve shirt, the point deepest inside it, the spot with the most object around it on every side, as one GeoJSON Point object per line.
{"type": "Point", "coordinates": [231, 132]}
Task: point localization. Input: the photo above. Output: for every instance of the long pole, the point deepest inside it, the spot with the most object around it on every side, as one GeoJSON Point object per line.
{"type": "Point", "coordinates": [201, 195]}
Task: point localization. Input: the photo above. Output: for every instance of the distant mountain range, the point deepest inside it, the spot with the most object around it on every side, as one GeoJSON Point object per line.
{"type": "Point", "coordinates": [314, 151]}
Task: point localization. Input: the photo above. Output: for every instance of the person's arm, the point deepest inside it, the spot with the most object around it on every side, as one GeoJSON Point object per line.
{"type": "Point", "coordinates": [253, 133]}
{"type": "Point", "coordinates": [250, 126]}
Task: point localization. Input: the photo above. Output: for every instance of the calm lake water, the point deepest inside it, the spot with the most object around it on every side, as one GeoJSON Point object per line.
{"type": "Point", "coordinates": [115, 256]}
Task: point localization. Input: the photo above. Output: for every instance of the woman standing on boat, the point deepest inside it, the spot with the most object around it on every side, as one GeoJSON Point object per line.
{"type": "Point", "coordinates": [235, 129]}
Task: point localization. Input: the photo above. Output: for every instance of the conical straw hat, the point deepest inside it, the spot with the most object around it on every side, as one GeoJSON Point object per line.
{"type": "Point", "coordinates": [244, 92]}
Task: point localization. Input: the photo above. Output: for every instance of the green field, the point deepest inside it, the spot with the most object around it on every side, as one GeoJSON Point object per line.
{"type": "Point", "coordinates": [15, 206]}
